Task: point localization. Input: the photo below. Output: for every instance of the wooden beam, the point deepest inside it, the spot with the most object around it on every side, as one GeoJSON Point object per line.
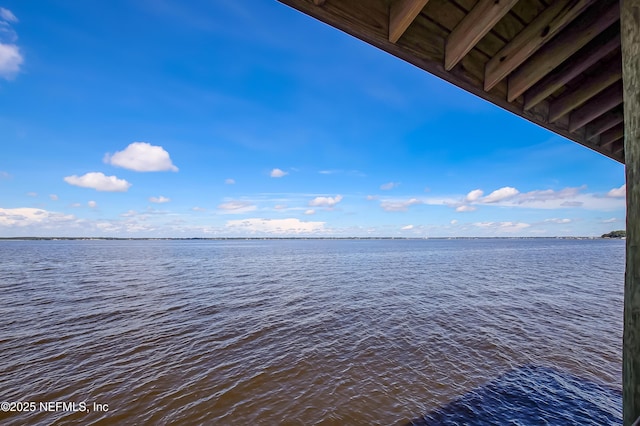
{"type": "Point", "coordinates": [583, 60]}
{"type": "Point", "coordinates": [319, 2]}
{"type": "Point", "coordinates": [604, 123]}
{"type": "Point", "coordinates": [630, 34]}
{"type": "Point", "coordinates": [401, 15]}
{"type": "Point", "coordinates": [575, 36]}
{"type": "Point", "coordinates": [617, 146]}
{"type": "Point", "coordinates": [473, 27]}
{"type": "Point", "coordinates": [612, 135]}
{"type": "Point", "coordinates": [531, 38]}
{"type": "Point", "coordinates": [598, 105]}
{"type": "Point", "coordinates": [603, 78]}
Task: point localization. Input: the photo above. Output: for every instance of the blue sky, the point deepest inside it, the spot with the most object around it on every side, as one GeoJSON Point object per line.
{"type": "Point", "coordinates": [161, 118]}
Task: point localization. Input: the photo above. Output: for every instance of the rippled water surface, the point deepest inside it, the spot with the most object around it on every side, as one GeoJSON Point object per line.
{"type": "Point", "coordinates": [312, 332]}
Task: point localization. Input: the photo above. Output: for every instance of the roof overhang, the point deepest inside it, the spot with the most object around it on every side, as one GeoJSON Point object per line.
{"type": "Point", "coordinates": [558, 66]}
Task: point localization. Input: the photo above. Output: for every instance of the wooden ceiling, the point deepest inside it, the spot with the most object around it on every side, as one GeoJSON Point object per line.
{"type": "Point", "coordinates": [556, 63]}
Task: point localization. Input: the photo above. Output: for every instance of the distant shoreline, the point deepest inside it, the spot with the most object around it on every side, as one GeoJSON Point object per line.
{"type": "Point", "coordinates": [286, 238]}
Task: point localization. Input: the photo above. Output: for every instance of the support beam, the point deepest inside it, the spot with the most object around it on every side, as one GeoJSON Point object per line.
{"type": "Point", "coordinates": [401, 15]}
{"type": "Point", "coordinates": [531, 38]}
{"type": "Point", "coordinates": [604, 123]}
{"type": "Point", "coordinates": [598, 105]}
{"type": "Point", "coordinates": [604, 44]}
{"type": "Point", "coordinates": [630, 34]}
{"type": "Point", "coordinates": [612, 135]}
{"type": "Point", "coordinates": [575, 36]}
{"type": "Point", "coordinates": [603, 78]}
{"type": "Point", "coordinates": [472, 28]}
{"type": "Point", "coordinates": [617, 146]}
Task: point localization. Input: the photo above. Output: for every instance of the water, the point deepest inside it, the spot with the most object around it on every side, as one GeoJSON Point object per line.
{"type": "Point", "coordinates": [312, 332]}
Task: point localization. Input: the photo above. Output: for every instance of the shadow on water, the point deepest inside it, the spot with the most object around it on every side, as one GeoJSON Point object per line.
{"type": "Point", "coordinates": [531, 395]}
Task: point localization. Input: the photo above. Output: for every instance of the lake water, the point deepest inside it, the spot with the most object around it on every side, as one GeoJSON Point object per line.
{"type": "Point", "coordinates": [363, 332]}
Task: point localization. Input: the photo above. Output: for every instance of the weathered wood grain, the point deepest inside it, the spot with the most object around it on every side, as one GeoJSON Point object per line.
{"type": "Point", "coordinates": [598, 105]}
{"type": "Point", "coordinates": [473, 27]}
{"type": "Point", "coordinates": [604, 123]}
{"type": "Point", "coordinates": [612, 135]}
{"type": "Point", "coordinates": [605, 77]}
{"type": "Point", "coordinates": [575, 36]}
{"type": "Point", "coordinates": [535, 35]}
{"type": "Point", "coordinates": [617, 147]}
{"type": "Point", "coordinates": [630, 34]}
{"type": "Point", "coordinates": [401, 15]}
{"type": "Point", "coordinates": [580, 62]}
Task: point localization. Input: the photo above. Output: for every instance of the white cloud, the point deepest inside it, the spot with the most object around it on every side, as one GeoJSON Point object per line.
{"type": "Point", "coordinates": [53, 197]}
{"type": "Point", "coordinates": [199, 209]}
{"type": "Point", "coordinates": [142, 157]}
{"type": "Point", "coordinates": [325, 201]}
{"type": "Point", "coordinates": [10, 57]}
{"type": "Point", "coordinates": [548, 195]}
{"type": "Point", "coordinates": [499, 194]}
{"type": "Point", "coordinates": [159, 200]}
{"type": "Point", "coordinates": [236, 207]}
{"type": "Point", "coordinates": [99, 182]}
{"type": "Point", "coordinates": [277, 173]}
{"type": "Point", "coordinates": [559, 221]}
{"type": "Point", "coordinates": [388, 186]}
{"type": "Point", "coordinates": [25, 216]}
{"type": "Point", "coordinates": [76, 205]}
{"type": "Point", "coordinates": [275, 226]}
{"type": "Point", "coordinates": [465, 208]}
{"type": "Point", "coordinates": [406, 228]}
{"type": "Point", "coordinates": [398, 205]}
{"type": "Point", "coordinates": [229, 181]}
{"type": "Point", "coordinates": [572, 204]}
{"type": "Point", "coordinates": [7, 15]}
{"type": "Point", "coordinates": [569, 197]}
{"type": "Point", "coordinates": [4, 175]}
{"type": "Point", "coordinates": [508, 227]}
{"type": "Point", "coordinates": [474, 195]}
{"type": "Point", "coordinates": [92, 204]}
{"type": "Point", "coordinates": [10, 60]}
{"type": "Point", "coordinates": [453, 222]}
{"type": "Point", "coordinates": [372, 197]}
{"type": "Point", "coordinates": [32, 194]}
{"type": "Point", "coordinates": [310, 212]}
{"type": "Point", "coordinates": [618, 192]}
{"type": "Point", "coordinates": [280, 207]}
{"type": "Point", "coordinates": [611, 220]}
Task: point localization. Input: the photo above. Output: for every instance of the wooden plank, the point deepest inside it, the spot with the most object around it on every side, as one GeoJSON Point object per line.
{"type": "Point", "coordinates": [473, 27]}
{"type": "Point", "coordinates": [598, 105]}
{"type": "Point", "coordinates": [630, 33]}
{"type": "Point", "coordinates": [575, 36]}
{"type": "Point", "coordinates": [604, 123]}
{"type": "Point", "coordinates": [583, 60]}
{"type": "Point", "coordinates": [590, 87]}
{"type": "Point", "coordinates": [401, 15]}
{"type": "Point", "coordinates": [527, 11]}
{"type": "Point", "coordinates": [449, 15]}
{"type": "Point", "coordinates": [612, 135]}
{"type": "Point", "coordinates": [617, 147]}
{"type": "Point", "coordinates": [529, 40]}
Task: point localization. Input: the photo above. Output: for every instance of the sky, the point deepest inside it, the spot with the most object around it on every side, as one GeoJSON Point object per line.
{"type": "Point", "coordinates": [163, 118]}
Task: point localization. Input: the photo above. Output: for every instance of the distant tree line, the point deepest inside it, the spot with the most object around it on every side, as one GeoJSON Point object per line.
{"type": "Point", "coordinates": [615, 234]}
